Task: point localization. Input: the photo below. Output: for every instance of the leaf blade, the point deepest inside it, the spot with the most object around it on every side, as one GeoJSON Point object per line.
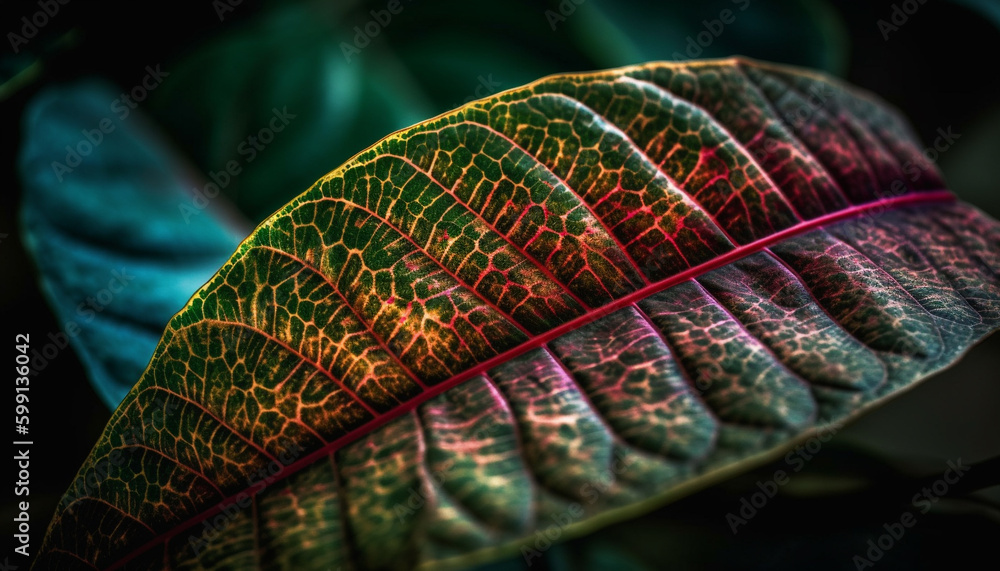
{"type": "Point", "coordinates": [394, 295]}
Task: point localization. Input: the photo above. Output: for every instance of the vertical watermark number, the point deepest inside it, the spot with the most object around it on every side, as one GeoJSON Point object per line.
{"type": "Point", "coordinates": [22, 444]}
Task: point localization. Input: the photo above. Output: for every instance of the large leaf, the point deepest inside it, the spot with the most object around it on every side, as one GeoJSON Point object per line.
{"type": "Point", "coordinates": [542, 312]}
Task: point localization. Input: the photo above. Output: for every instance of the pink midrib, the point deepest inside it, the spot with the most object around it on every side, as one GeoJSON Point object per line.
{"type": "Point", "coordinates": [541, 339]}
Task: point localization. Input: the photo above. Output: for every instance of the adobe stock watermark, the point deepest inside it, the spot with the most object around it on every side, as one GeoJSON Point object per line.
{"type": "Point", "coordinates": [819, 94]}
{"type": "Point", "coordinates": [30, 25]}
{"type": "Point", "coordinates": [86, 310]}
{"type": "Point", "coordinates": [912, 170]}
{"type": "Point", "coordinates": [363, 35]}
{"type": "Point", "coordinates": [123, 107]}
{"type": "Point", "coordinates": [590, 492]}
{"type": "Point", "coordinates": [922, 501]}
{"type": "Point", "coordinates": [257, 482]}
{"type": "Point", "coordinates": [248, 148]}
{"type": "Point", "coordinates": [796, 459]}
{"type": "Point", "coordinates": [696, 44]}
{"type": "Point", "coordinates": [486, 87]}
{"type": "Point", "coordinates": [224, 7]}
{"type": "Point", "coordinates": [899, 15]}
{"type": "Point", "coordinates": [417, 497]}
{"type": "Point", "coordinates": [816, 99]}
{"type": "Point", "coordinates": [566, 9]}
{"type": "Point", "coordinates": [83, 487]}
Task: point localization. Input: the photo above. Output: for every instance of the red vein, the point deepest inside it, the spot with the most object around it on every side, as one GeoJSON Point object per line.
{"type": "Point", "coordinates": [110, 505]}
{"type": "Point", "coordinates": [878, 268]}
{"type": "Point", "coordinates": [426, 251]}
{"type": "Point", "coordinates": [450, 192]}
{"type": "Point", "coordinates": [175, 461]}
{"type": "Point", "coordinates": [298, 354]}
{"type": "Point", "coordinates": [212, 415]}
{"type": "Point", "coordinates": [757, 341]}
{"type": "Point", "coordinates": [836, 322]}
{"type": "Point", "coordinates": [357, 316]}
{"type": "Point", "coordinates": [727, 136]}
{"type": "Point", "coordinates": [583, 202]}
{"type": "Point", "coordinates": [540, 340]}
{"type": "Point", "coordinates": [672, 184]}
{"type": "Point", "coordinates": [836, 122]}
{"type": "Point", "coordinates": [586, 399]}
{"type": "Point", "coordinates": [690, 385]}
{"type": "Point", "coordinates": [803, 148]}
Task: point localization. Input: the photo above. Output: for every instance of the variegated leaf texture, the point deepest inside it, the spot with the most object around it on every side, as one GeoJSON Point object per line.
{"type": "Point", "coordinates": [563, 305]}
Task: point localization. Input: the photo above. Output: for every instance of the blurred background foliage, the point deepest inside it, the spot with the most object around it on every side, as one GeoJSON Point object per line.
{"type": "Point", "coordinates": [230, 64]}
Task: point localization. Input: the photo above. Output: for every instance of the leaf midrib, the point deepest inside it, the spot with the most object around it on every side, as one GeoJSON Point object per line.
{"type": "Point", "coordinates": [538, 340]}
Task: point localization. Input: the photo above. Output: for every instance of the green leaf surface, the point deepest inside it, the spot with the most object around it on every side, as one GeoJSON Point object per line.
{"type": "Point", "coordinates": [113, 266]}
{"type": "Point", "coordinates": [543, 312]}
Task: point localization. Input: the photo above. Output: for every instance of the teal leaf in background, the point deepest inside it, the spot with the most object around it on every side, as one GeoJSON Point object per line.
{"type": "Point", "coordinates": [117, 256]}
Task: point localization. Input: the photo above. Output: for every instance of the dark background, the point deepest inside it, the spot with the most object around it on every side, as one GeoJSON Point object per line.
{"type": "Point", "coordinates": [939, 69]}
